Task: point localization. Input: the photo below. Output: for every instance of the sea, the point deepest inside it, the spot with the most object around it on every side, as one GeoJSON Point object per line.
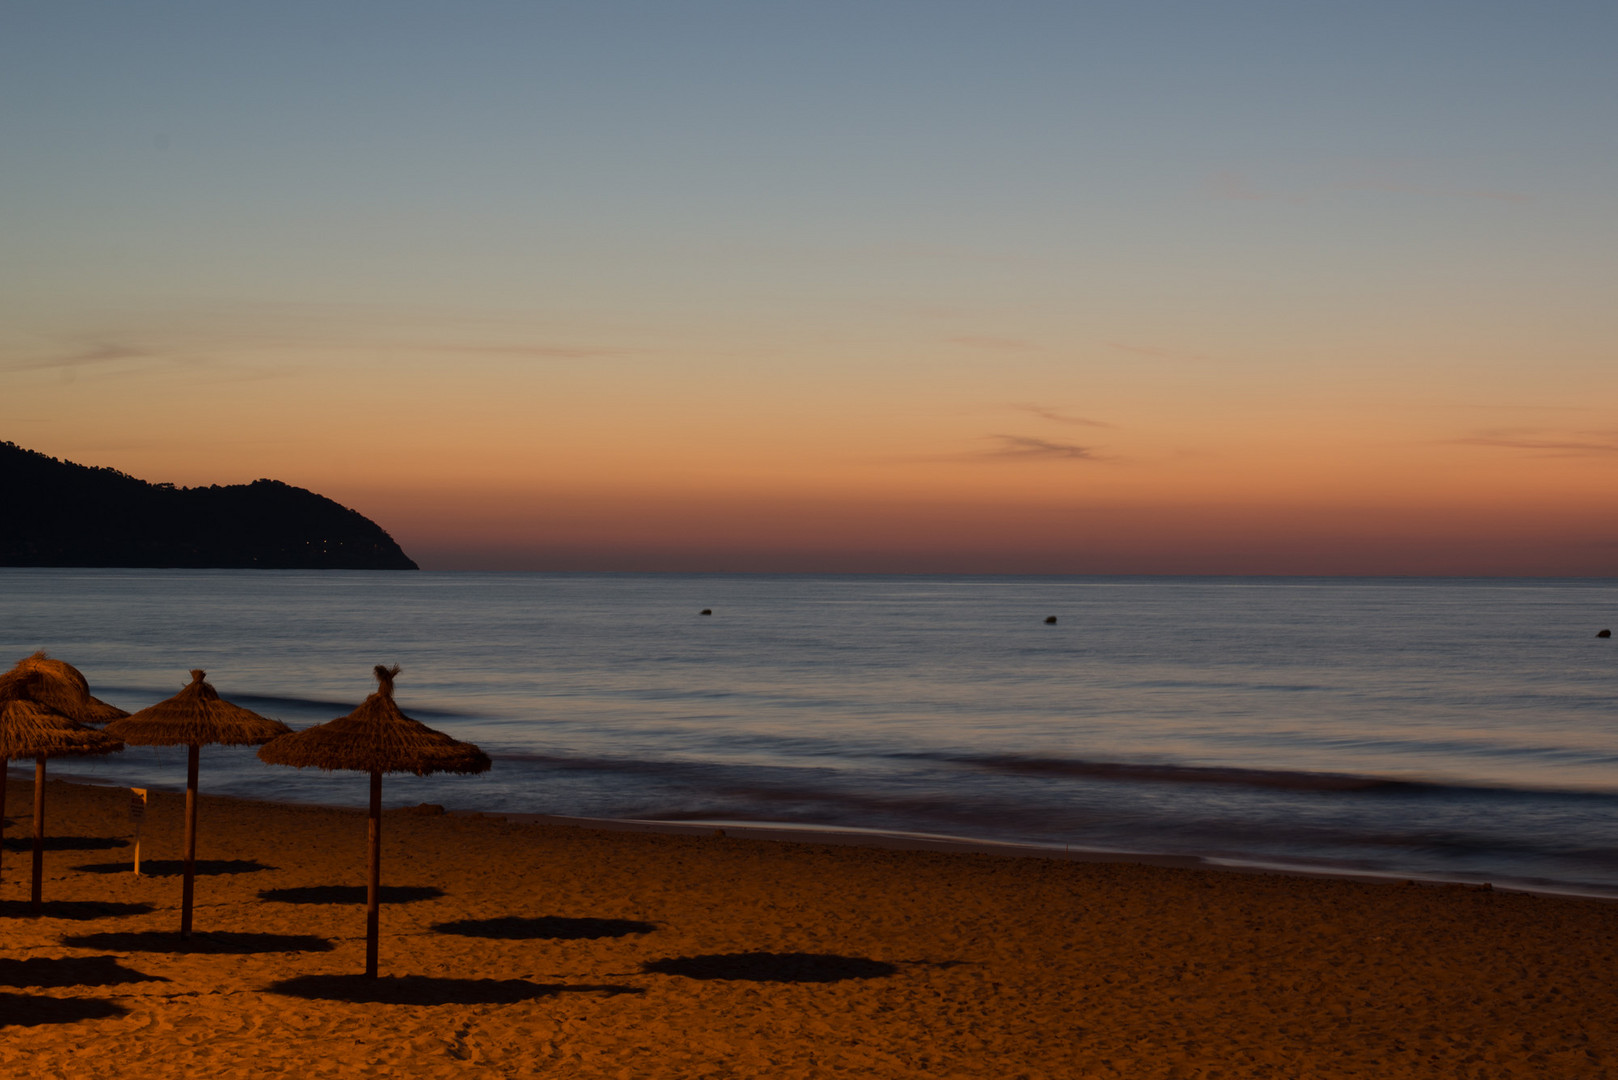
{"type": "Point", "coordinates": [1440, 729]}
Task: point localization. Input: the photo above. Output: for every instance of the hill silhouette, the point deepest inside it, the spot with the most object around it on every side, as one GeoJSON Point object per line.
{"type": "Point", "coordinates": [58, 513]}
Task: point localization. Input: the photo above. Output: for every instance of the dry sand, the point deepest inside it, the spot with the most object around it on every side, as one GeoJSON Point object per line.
{"type": "Point", "coordinates": [525, 950]}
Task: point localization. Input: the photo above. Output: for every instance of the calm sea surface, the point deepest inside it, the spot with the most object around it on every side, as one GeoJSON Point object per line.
{"type": "Point", "coordinates": [1441, 728]}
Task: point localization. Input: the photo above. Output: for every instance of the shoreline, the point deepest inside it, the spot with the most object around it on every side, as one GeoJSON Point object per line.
{"type": "Point", "coordinates": [891, 840]}
{"type": "Point", "coordinates": [899, 840]}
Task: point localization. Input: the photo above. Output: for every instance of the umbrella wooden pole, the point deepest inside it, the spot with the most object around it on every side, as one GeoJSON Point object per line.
{"type": "Point", "coordinates": [373, 887]}
{"type": "Point", "coordinates": [188, 890]}
{"type": "Point", "coordinates": [37, 895]}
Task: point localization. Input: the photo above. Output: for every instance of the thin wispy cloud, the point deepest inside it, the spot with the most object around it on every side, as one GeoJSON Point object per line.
{"type": "Point", "coordinates": [1528, 408]}
{"type": "Point", "coordinates": [1432, 191]}
{"type": "Point", "coordinates": [1057, 417]}
{"type": "Point", "coordinates": [1238, 187]}
{"type": "Point", "coordinates": [127, 358]}
{"type": "Point", "coordinates": [1029, 448]}
{"type": "Point", "coordinates": [975, 341]}
{"type": "Point", "coordinates": [862, 254]}
{"type": "Point", "coordinates": [1012, 449]}
{"type": "Point", "coordinates": [88, 356]}
{"type": "Point", "coordinates": [535, 352]}
{"type": "Point", "coordinates": [1153, 351]}
{"type": "Point", "coordinates": [1549, 444]}
{"type": "Point", "coordinates": [208, 346]}
{"type": "Point", "coordinates": [931, 253]}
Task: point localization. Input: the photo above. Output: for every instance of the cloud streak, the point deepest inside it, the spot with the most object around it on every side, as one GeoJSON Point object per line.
{"type": "Point", "coordinates": [89, 356]}
{"type": "Point", "coordinates": [534, 352]}
{"type": "Point", "coordinates": [1433, 192]}
{"type": "Point", "coordinates": [1236, 187]}
{"type": "Point", "coordinates": [1527, 408]}
{"type": "Point", "coordinates": [1153, 351]}
{"type": "Point", "coordinates": [1002, 344]}
{"type": "Point", "coordinates": [1057, 417]}
{"type": "Point", "coordinates": [111, 360]}
{"type": "Point", "coordinates": [1576, 444]}
{"type": "Point", "coordinates": [1028, 448]}
{"type": "Point", "coordinates": [107, 356]}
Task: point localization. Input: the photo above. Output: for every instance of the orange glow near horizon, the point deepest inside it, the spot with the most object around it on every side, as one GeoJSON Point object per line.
{"type": "Point", "coordinates": [1155, 467]}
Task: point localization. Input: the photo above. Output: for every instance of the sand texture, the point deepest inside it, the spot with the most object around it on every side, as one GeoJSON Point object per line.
{"type": "Point", "coordinates": [538, 950]}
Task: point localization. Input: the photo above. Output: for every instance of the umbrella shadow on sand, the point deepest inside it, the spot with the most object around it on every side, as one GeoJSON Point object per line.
{"type": "Point", "coordinates": [424, 990]}
{"type": "Point", "coordinates": [543, 928]}
{"type": "Point", "coordinates": [29, 1010]}
{"type": "Point", "coordinates": [772, 967]}
{"type": "Point", "coordinates": [40, 971]}
{"type": "Point", "coordinates": [212, 943]}
{"type": "Point", "coordinates": [77, 910]}
{"type": "Point", "coordinates": [348, 894]}
{"type": "Point", "coordinates": [69, 843]}
{"type": "Point", "coordinates": [171, 867]}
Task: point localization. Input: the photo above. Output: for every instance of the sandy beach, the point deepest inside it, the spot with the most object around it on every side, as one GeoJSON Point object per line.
{"type": "Point", "coordinates": [520, 949]}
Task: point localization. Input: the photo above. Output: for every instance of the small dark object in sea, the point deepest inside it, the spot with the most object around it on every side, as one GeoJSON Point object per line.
{"type": "Point", "coordinates": [1050, 620]}
{"type": "Point", "coordinates": [428, 809]}
{"type": "Point", "coordinates": [706, 611]}
{"type": "Point", "coordinates": [1603, 633]}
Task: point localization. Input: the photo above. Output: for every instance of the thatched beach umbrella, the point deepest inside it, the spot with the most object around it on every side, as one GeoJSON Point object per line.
{"type": "Point", "coordinates": [64, 688]}
{"type": "Point", "coordinates": [376, 738]}
{"type": "Point", "coordinates": [32, 729]}
{"type": "Point", "coordinates": [21, 724]}
{"type": "Point", "coordinates": [54, 701]}
{"type": "Point", "coordinates": [195, 717]}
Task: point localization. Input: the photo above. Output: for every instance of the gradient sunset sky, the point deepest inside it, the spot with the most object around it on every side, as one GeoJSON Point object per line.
{"type": "Point", "coordinates": [879, 286]}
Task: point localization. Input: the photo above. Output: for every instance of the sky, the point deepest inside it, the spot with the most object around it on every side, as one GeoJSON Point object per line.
{"type": "Point", "coordinates": [1011, 287]}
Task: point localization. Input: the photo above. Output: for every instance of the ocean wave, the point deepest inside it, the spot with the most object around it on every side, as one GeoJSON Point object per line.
{"type": "Point", "coordinates": [1189, 774]}
{"type": "Point", "coordinates": [260, 702]}
{"type": "Point", "coordinates": [1074, 768]}
{"type": "Point", "coordinates": [1285, 779]}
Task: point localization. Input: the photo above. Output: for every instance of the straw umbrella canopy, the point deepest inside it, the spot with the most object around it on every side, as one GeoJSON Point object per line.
{"type": "Point", "coordinates": [195, 717]}
{"type": "Point", "coordinates": [33, 729]}
{"type": "Point", "coordinates": [64, 688]}
{"type": "Point", "coordinates": [23, 723]}
{"type": "Point", "coordinates": [54, 701]}
{"type": "Point", "coordinates": [376, 738]}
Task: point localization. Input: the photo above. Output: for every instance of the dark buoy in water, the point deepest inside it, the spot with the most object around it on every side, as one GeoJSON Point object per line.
{"type": "Point", "coordinates": [706, 611]}
{"type": "Point", "coordinates": [1603, 633]}
{"type": "Point", "coordinates": [1050, 620]}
